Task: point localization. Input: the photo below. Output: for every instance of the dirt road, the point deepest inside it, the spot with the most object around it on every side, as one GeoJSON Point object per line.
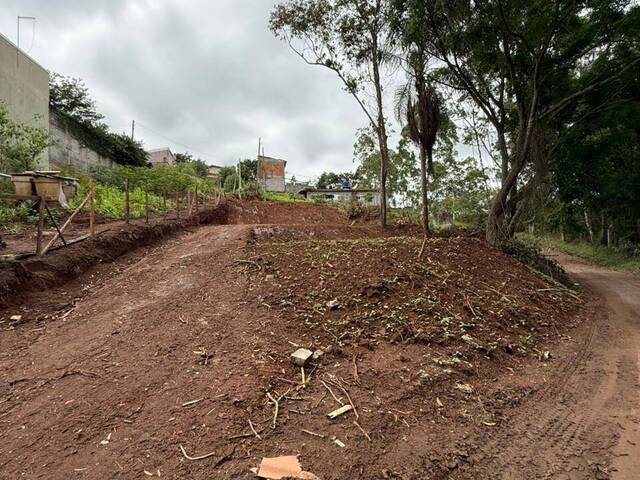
{"type": "Point", "coordinates": [586, 423]}
{"type": "Point", "coordinates": [99, 391]}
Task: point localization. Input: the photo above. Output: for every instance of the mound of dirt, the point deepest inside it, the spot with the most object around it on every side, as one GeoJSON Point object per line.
{"type": "Point", "coordinates": [409, 342]}
{"type": "Point", "coordinates": [369, 290]}
{"type": "Point", "coordinates": [284, 213]}
{"type": "Point", "coordinates": [287, 233]}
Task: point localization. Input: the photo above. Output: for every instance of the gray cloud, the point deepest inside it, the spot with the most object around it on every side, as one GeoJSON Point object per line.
{"type": "Point", "coordinates": [207, 74]}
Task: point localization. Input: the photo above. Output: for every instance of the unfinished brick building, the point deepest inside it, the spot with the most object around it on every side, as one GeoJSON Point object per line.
{"type": "Point", "coordinates": [271, 173]}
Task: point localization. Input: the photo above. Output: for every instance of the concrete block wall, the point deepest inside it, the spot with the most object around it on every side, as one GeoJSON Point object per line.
{"type": "Point", "coordinates": [66, 151]}
{"type": "Point", "coordinates": [24, 88]}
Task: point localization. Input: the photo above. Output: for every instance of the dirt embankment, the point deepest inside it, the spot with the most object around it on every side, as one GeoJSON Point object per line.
{"type": "Point", "coordinates": [18, 279]}
{"type": "Point", "coordinates": [426, 348]}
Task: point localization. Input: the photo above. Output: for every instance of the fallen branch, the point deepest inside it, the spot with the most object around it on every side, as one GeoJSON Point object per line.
{"type": "Point", "coordinates": [201, 457]}
{"type": "Point", "coordinates": [192, 402]}
{"type": "Point", "coordinates": [348, 398]}
{"type": "Point", "coordinates": [424, 244]}
{"type": "Point", "coordinates": [355, 366]}
{"type": "Point", "coordinates": [276, 409]}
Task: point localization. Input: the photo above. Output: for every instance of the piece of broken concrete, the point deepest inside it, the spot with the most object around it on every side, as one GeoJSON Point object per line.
{"type": "Point", "coordinates": [15, 318]}
{"type": "Point", "coordinates": [283, 467]}
{"type": "Point", "coordinates": [317, 355]}
{"type": "Point", "coordinates": [301, 357]}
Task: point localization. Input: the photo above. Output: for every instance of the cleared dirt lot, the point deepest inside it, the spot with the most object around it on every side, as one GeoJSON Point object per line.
{"type": "Point", "coordinates": [443, 358]}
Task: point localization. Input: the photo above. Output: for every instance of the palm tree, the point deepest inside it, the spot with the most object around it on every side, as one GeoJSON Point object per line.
{"type": "Point", "coordinates": [418, 103]}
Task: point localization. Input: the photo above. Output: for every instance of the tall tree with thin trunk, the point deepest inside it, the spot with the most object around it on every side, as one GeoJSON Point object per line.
{"type": "Point", "coordinates": [517, 61]}
{"type": "Point", "coordinates": [349, 38]}
{"type": "Point", "coordinates": [418, 104]}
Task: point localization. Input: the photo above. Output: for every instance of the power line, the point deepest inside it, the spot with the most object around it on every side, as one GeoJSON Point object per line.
{"type": "Point", "coordinates": [211, 157]}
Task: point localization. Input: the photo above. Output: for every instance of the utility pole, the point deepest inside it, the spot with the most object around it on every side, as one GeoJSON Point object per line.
{"type": "Point", "coordinates": [133, 128]}
{"type": "Point", "coordinates": [259, 144]}
{"type": "Point", "coordinates": [240, 174]}
{"type": "Point", "coordinates": [18, 38]}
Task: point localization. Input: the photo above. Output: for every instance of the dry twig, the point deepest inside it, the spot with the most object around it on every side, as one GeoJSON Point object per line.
{"type": "Point", "coordinates": [331, 392]}
{"type": "Point", "coordinates": [254, 430]}
{"type": "Point", "coordinates": [362, 430]}
{"type": "Point", "coordinates": [313, 434]}
{"type": "Point", "coordinates": [201, 457]}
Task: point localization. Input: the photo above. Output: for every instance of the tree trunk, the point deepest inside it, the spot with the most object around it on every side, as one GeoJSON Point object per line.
{"type": "Point", "coordinates": [497, 231]}
{"type": "Point", "coordinates": [610, 234]}
{"type": "Point", "coordinates": [424, 189]}
{"type": "Point", "coordinates": [587, 222]}
{"type": "Point", "coordinates": [382, 132]}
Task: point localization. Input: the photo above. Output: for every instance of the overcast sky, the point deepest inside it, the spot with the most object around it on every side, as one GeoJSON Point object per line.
{"type": "Point", "coordinates": [205, 76]}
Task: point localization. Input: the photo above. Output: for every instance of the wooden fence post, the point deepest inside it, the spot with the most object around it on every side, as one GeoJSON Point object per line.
{"type": "Point", "coordinates": [92, 209]}
{"type": "Point", "coordinates": [126, 200]}
{"type": "Point", "coordinates": [41, 206]}
{"type": "Point", "coordinates": [66, 224]}
{"type": "Point", "coordinates": [146, 204]}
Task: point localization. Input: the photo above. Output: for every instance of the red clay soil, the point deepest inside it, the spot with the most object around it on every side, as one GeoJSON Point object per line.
{"type": "Point", "coordinates": [174, 349]}
{"type": "Point", "coordinates": [18, 279]}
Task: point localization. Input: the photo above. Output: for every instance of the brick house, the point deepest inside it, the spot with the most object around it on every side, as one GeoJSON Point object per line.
{"type": "Point", "coordinates": [270, 174]}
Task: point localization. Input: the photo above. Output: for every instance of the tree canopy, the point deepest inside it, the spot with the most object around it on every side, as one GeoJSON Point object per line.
{"type": "Point", "coordinates": [69, 98]}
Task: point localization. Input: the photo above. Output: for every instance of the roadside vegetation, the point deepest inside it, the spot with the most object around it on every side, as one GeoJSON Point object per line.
{"type": "Point", "coordinates": [546, 98]}
{"type": "Point", "coordinates": [613, 257]}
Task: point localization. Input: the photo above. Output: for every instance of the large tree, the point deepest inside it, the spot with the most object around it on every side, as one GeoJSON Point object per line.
{"type": "Point", "coordinates": [518, 60]}
{"type": "Point", "coordinates": [347, 37]}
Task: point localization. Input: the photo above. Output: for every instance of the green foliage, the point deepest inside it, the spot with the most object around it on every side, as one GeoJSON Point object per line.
{"type": "Point", "coordinates": [20, 144]}
{"type": "Point", "coordinates": [69, 98]}
{"type": "Point", "coordinates": [110, 201]}
{"type": "Point", "coordinates": [460, 188]}
{"type": "Point", "coordinates": [283, 197]}
{"type": "Point", "coordinates": [249, 170]}
{"type": "Point", "coordinates": [334, 180]}
{"type": "Point", "coordinates": [403, 171]}
{"type": "Point", "coordinates": [197, 166]}
{"type": "Point", "coordinates": [163, 181]}
{"type": "Point", "coordinates": [614, 257]}
{"type": "Point", "coordinates": [23, 211]}
{"type": "Point", "coordinates": [524, 65]}
{"type": "Point", "coordinates": [230, 182]}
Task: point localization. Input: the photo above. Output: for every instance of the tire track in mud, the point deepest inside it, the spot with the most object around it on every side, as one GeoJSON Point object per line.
{"type": "Point", "coordinates": [585, 423]}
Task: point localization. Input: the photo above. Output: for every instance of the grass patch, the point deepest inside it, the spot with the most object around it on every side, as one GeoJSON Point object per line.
{"type": "Point", "coordinates": [598, 254]}
{"type": "Point", "coordinates": [283, 197]}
